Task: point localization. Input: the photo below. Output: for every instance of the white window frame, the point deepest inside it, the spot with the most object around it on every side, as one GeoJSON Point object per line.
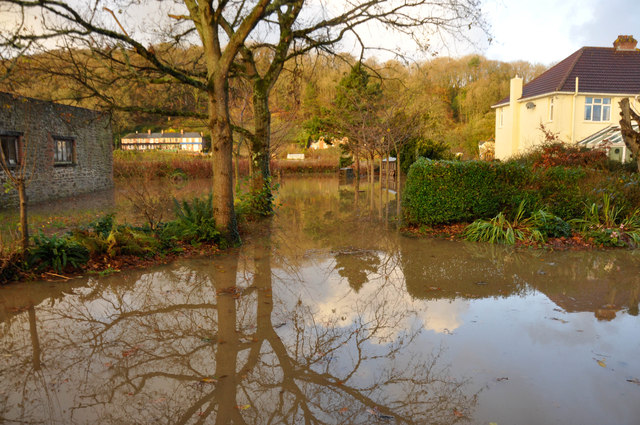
{"type": "Point", "coordinates": [597, 109]}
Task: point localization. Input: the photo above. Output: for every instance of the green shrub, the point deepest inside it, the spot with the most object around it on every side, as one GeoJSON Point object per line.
{"type": "Point", "coordinates": [260, 203]}
{"type": "Point", "coordinates": [604, 223]}
{"type": "Point", "coordinates": [439, 192]}
{"type": "Point", "coordinates": [11, 265]}
{"type": "Point", "coordinates": [551, 226]}
{"type": "Point", "coordinates": [345, 161]}
{"type": "Point", "coordinates": [422, 148]}
{"type": "Point", "coordinates": [502, 230]}
{"type": "Point", "coordinates": [95, 243]}
{"type": "Point", "coordinates": [560, 192]}
{"type": "Point", "coordinates": [125, 240]}
{"type": "Point", "coordinates": [57, 252]}
{"type": "Point", "coordinates": [194, 222]}
{"type": "Point", "coordinates": [103, 225]}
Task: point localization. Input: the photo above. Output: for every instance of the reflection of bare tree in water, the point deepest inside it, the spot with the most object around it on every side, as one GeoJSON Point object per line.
{"type": "Point", "coordinates": [34, 382]}
{"type": "Point", "coordinates": [196, 346]}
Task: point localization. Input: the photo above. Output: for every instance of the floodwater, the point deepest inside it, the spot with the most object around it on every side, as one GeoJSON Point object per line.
{"type": "Point", "coordinates": [327, 315]}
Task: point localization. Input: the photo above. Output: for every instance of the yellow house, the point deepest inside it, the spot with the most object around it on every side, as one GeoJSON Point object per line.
{"type": "Point", "coordinates": [575, 99]}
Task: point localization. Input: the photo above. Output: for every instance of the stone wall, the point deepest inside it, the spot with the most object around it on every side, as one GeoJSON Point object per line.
{"type": "Point", "coordinates": [38, 123]}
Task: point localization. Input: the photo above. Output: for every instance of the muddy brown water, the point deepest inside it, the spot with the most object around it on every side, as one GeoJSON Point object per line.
{"type": "Point", "coordinates": [326, 314]}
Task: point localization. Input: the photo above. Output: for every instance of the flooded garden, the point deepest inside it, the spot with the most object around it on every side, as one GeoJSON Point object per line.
{"type": "Point", "coordinates": [328, 314]}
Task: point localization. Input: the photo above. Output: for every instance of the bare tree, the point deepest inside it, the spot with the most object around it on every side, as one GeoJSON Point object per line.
{"type": "Point", "coordinates": [111, 55]}
{"type": "Point", "coordinates": [630, 136]}
{"type": "Point", "coordinates": [298, 35]}
{"type": "Point", "coordinates": [197, 44]}
{"type": "Point", "coordinates": [14, 162]}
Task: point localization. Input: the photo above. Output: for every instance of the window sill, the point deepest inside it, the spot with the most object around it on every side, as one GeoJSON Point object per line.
{"type": "Point", "coordinates": [65, 164]}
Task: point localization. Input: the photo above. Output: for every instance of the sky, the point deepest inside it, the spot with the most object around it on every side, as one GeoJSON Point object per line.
{"type": "Point", "coordinates": [536, 31]}
{"type": "Point", "coordinates": [547, 31]}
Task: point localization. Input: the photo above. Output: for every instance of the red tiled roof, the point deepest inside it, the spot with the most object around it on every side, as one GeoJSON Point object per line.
{"type": "Point", "coordinates": [599, 70]}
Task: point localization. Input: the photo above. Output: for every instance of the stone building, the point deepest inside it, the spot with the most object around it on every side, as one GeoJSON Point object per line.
{"type": "Point", "coordinates": [67, 149]}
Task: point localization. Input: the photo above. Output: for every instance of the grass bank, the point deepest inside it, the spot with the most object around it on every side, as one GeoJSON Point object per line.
{"type": "Point", "coordinates": [104, 245]}
{"type": "Point", "coordinates": [161, 164]}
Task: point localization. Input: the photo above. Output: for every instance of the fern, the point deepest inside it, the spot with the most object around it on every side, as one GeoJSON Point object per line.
{"type": "Point", "coordinates": [194, 222]}
{"type": "Point", "coordinates": [57, 253]}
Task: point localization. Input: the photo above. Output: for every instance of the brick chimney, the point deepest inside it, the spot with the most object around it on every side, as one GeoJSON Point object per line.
{"type": "Point", "coordinates": [625, 42]}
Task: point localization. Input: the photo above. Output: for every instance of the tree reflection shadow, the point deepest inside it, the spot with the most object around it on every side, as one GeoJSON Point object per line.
{"type": "Point", "coordinates": [210, 344]}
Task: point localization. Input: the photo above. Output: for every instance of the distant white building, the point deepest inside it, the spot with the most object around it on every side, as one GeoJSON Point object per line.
{"type": "Point", "coordinates": [189, 141]}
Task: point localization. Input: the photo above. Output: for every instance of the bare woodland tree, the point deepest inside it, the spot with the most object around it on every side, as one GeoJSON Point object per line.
{"type": "Point", "coordinates": [198, 46]}
{"type": "Point", "coordinates": [18, 176]}
{"type": "Point", "coordinates": [630, 136]}
{"type": "Point", "coordinates": [298, 37]}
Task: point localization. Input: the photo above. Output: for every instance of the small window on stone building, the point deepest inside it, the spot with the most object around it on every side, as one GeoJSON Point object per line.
{"type": "Point", "coordinates": [63, 150]}
{"type": "Point", "coordinates": [11, 149]}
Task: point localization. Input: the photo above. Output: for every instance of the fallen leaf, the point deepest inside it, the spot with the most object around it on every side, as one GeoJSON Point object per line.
{"type": "Point", "coordinates": [344, 410]}
{"type": "Point", "coordinates": [243, 407]}
{"type": "Point", "coordinates": [602, 363]}
{"type": "Point", "coordinates": [458, 414]}
{"type": "Point", "coordinates": [504, 378]}
{"type": "Point", "coordinates": [634, 381]}
{"type": "Point", "coordinates": [209, 380]}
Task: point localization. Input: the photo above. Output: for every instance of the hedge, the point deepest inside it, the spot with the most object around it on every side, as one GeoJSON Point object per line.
{"type": "Point", "coordinates": [439, 192]}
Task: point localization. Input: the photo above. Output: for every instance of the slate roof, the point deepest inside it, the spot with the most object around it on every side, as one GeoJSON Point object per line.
{"type": "Point", "coordinates": [162, 135]}
{"type": "Point", "coordinates": [599, 69]}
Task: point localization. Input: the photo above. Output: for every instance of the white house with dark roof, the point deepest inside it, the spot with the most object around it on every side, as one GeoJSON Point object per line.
{"type": "Point", "coordinates": [575, 99]}
{"type": "Point", "coordinates": [183, 141]}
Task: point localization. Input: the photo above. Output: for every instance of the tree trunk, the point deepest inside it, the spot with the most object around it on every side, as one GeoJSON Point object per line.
{"type": "Point", "coordinates": [372, 171]}
{"type": "Point", "coordinates": [222, 150]}
{"type": "Point", "coordinates": [398, 197]}
{"type": "Point", "coordinates": [35, 339]}
{"type": "Point", "coordinates": [629, 135]}
{"type": "Point", "coordinates": [357, 167]}
{"type": "Point", "coordinates": [24, 223]}
{"type": "Point", "coordinates": [262, 198]}
{"type": "Point", "coordinates": [227, 349]}
{"type": "Point", "coordinates": [236, 170]}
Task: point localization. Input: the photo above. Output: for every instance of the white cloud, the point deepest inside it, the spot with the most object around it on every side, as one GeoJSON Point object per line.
{"type": "Point", "coordinates": [547, 31]}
